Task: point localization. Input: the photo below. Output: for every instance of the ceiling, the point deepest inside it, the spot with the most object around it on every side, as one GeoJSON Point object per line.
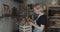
{"type": "Point", "coordinates": [30, 1]}
{"type": "Point", "coordinates": [19, 1]}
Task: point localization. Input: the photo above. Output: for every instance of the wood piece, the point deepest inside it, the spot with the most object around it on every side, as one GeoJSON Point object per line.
{"type": "Point", "coordinates": [24, 22]}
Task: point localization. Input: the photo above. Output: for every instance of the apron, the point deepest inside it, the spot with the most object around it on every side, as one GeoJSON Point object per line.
{"type": "Point", "coordinates": [36, 29]}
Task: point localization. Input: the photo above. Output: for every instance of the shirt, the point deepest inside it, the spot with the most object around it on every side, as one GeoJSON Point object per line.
{"type": "Point", "coordinates": [38, 17]}
{"type": "Point", "coordinates": [41, 19]}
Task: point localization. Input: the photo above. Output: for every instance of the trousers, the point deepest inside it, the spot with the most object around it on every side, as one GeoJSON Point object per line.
{"type": "Point", "coordinates": [37, 30]}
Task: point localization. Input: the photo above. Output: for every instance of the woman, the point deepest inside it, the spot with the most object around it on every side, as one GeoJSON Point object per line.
{"type": "Point", "coordinates": [41, 19]}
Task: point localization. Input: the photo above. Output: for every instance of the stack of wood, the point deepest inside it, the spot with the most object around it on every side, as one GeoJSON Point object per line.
{"type": "Point", "coordinates": [24, 25]}
{"type": "Point", "coordinates": [25, 22]}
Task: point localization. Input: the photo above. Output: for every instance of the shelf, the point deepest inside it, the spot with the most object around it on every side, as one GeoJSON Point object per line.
{"type": "Point", "coordinates": [54, 16]}
{"type": "Point", "coordinates": [54, 26]}
{"type": "Point", "coordinates": [55, 20]}
{"type": "Point", "coordinates": [54, 6]}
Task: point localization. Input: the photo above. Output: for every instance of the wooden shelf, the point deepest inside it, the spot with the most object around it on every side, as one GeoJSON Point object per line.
{"type": "Point", "coordinates": [53, 5]}
{"type": "Point", "coordinates": [55, 26]}
{"type": "Point", "coordinates": [54, 16]}
{"type": "Point", "coordinates": [53, 19]}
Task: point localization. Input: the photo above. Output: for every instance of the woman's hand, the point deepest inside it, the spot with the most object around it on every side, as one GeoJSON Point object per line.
{"type": "Point", "coordinates": [29, 20]}
{"type": "Point", "coordinates": [30, 23]}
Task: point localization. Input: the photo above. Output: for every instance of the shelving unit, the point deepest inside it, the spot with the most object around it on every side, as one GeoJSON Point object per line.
{"type": "Point", "coordinates": [53, 18]}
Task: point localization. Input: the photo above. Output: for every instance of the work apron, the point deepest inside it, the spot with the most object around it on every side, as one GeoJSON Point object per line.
{"type": "Point", "coordinates": [36, 29]}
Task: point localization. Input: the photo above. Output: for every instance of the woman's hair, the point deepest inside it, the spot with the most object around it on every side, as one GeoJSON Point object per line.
{"type": "Point", "coordinates": [37, 4]}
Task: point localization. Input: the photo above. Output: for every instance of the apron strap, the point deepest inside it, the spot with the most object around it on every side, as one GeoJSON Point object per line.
{"type": "Point", "coordinates": [38, 17]}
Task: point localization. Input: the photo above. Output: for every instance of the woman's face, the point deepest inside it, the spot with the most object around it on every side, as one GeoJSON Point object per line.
{"type": "Point", "coordinates": [37, 9]}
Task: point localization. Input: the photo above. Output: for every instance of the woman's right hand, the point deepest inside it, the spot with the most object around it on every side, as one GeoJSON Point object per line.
{"type": "Point", "coordinates": [31, 23]}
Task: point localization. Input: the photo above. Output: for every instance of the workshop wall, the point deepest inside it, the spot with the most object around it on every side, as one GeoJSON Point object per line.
{"type": "Point", "coordinates": [11, 4]}
{"type": "Point", "coordinates": [6, 23]}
